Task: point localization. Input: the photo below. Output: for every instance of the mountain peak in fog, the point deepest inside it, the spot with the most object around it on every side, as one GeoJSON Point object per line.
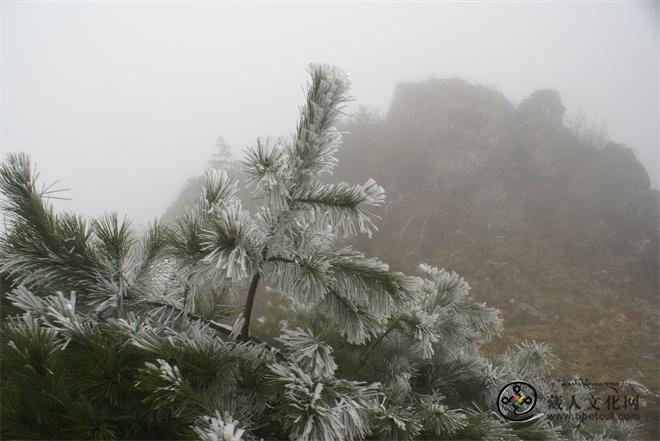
{"type": "Point", "coordinates": [495, 169]}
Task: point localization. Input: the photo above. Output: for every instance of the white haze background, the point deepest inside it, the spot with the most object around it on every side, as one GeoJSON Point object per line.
{"type": "Point", "coordinates": [122, 102]}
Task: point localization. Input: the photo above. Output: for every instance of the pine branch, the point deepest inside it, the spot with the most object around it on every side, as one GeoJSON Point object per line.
{"type": "Point", "coordinates": [22, 201]}
{"type": "Point", "coordinates": [220, 327]}
{"type": "Point", "coordinates": [316, 140]}
{"type": "Point", "coordinates": [33, 342]}
{"type": "Point", "coordinates": [40, 248]}
{"type": "Point", "coordinates": [356, 322]}
{"type": "Point", "coordinates": [266, 167]}
{"type": "Point", "coordinates": [114, 245]}
{"type": "Point", "coordinates": [218, 428]}
{"type": "Point", "coordinates": [306, 278]}
{"type": "Point", "coordinates": [114, 238]}
{"type": "Point", "coordinates": [370, 347]}
{"type": "Point", "coordinates": [443, 289]}
{"type": "Point", "coordinates": [397, 422]}
{"type": "Point", "coordinates": [216, 207]}
{"type": "Point", "coordinates": [438, 418]}
{"type": "Point", "coordinates": [166, 387]}
{"type": "Point", "coordinates": [342, 206]}
{"type": "Point", "coordinates": [365, 281]}
{"type": "Point", "coordinates": [323, 408]}
{"type": "Point", "coordinates": [370, 281]}
{"type": "Point", "coordinates": [217, 189]}
{"type": "Point", "coordinates": [308, 351]}
{"type": "Point", "coordinates": [282, 259]}
{"type": "Point", "coordinates": [228, 241]}
{"type": "Point", "coordinates": [151, 274]}
{"type": "Point", "coordinates": [184, 238]}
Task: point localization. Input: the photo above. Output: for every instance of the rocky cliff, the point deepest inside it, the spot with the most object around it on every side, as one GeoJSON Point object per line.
{"type": "Point", "coordinates": [461, 159]}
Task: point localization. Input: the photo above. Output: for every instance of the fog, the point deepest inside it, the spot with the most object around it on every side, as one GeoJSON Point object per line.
{"type": "Point", "coordinates": [122, 102]}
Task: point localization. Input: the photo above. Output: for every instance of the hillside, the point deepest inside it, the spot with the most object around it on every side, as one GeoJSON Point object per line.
{"type": "Point", "coordinates": [556, 226]}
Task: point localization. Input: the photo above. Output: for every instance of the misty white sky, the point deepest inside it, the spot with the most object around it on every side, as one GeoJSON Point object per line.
{"type": "Point", "coordinates": [122, 102]}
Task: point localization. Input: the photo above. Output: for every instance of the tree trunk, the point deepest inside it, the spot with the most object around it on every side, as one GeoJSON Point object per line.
{"type": "Point", "coordinates": [247, 312]}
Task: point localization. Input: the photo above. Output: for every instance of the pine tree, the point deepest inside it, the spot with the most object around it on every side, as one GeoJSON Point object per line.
{"type": "Point", "coordinates": [120, 337]}
{"type": "Point", "coordinates": [222, 157]}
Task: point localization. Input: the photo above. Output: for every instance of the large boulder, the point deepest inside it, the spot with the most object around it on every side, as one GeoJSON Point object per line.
{"type": "Point", "coordinates": [543, 108]}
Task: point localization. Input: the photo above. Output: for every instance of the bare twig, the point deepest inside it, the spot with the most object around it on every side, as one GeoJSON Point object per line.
{"type": "Point", "coordinates": [374, 342]}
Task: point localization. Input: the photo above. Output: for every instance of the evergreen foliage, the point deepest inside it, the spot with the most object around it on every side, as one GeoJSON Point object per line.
{"type": "Point", "coordinates": [126, 337]}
